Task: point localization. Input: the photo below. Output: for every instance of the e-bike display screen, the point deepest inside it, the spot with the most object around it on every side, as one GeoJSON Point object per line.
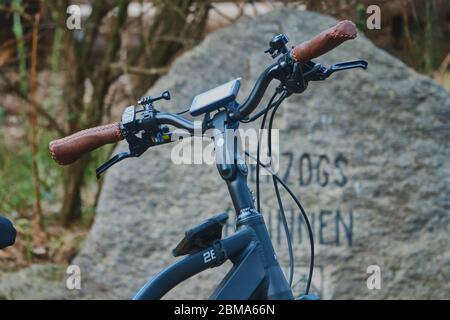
{"type": "Point", "coordinates": [128, 115]}
{"type": "Point", "coordinates": [215, 98]}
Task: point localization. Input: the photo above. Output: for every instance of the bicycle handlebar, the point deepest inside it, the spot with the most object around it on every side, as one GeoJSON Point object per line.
{"type": "Point", "coordinates": [258, 91]}
{"type": "Point", "coordinates": [175, 120]}
{"type": "Point", "coordinates": [325, 41]}
{"type": "Point", "coordinates": [69, 149]}
{"type": "Point", "coordinates": [303, 52]}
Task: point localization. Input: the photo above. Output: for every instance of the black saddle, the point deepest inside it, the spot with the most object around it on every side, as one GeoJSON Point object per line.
{"type": "Point", "coordinates": [7, 233]}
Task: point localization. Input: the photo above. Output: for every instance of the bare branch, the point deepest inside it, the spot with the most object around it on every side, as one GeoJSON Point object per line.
{"type": "Point", "coordinates": [11, 9]}
{"type": "Point", "coordinates": [41, 111]}
{"type": "Point", "coordinates": [141, 71]}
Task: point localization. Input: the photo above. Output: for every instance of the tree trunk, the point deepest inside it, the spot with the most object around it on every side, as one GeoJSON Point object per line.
{"type": "Point", "coordinates": [38, 234]}
{"type": "Point", "coordinates": [73, 183]}
{"type": "Point", "coordinates": [90, 114]}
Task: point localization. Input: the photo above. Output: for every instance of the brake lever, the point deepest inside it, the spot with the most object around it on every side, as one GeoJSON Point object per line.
{"type": "Point", "coordinates": [108, 164]}
{"type": "Point", "coordinates": [137, 146]}
{"type": "Point", "coordinates": [317, 72]}
{"type": "Point", "coordinates": [345, 66]}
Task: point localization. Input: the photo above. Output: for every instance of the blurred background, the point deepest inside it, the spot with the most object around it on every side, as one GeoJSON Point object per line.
{"type": "Point", "coordinates": [55, 81]}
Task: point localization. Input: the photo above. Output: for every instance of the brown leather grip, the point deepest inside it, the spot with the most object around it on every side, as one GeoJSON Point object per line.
{"type": "Point", "coordinates": [69, 149]}
{"type": "Point", "coordinates": [325, 41]}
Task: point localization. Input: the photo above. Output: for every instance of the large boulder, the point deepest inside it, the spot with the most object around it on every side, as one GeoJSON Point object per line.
{"type": "Point", "coordinates": [367, 152]}
{"type": "Point", "coordinates": [36, 282]}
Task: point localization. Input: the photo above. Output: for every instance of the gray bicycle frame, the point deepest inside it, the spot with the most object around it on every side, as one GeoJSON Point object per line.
{"type": "Point", "coordinates": [256, 272]}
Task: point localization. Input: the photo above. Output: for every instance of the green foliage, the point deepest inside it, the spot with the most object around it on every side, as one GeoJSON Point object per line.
{"type": "Point", "coordinates": [16, 191]}
{"type": "Point", "coordinates": [431, 35]}
{"type": "Point", "coordinates": [361, 17]}
{"type": "Point", "coordinates": [16, 185]}
{"type": "Point", "coordinates": [21, 50]}
{"type": "Point", "coordinates": [24, 227]}
{"type": "Point", "coordinates": [56, 50]}
{"type": "Point", "coordinates": [2, 114]}
{"type": "Point", "coordinates": [50, 175]}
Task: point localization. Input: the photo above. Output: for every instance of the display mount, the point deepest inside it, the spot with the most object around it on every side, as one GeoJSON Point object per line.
{"type": "Point", "coordinates": [215, 98]}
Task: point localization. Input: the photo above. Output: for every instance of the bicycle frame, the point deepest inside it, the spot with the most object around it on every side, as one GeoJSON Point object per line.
{"type": "Point", "coordinates": [256, 272]}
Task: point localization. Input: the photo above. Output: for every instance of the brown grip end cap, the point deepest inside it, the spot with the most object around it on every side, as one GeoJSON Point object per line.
{"type": "Point", "coordinates": [344, 29]}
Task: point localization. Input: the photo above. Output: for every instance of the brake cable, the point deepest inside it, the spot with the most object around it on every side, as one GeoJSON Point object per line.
{"type": "Point", "coordinates": [183, 112]}
{"type": "Point", "coordinates": [310, 232]}
{"type": "Point", "coordinates": [311, 238]}
{"type": "Point", "coordinates": [265, 111]}
{"type": "Point", "coordinates": [277, 192]}
{"type": "Point", "coordinates": [286, 230]}
{"type": "Point", "coordinates": [261, 112]}
{"type": "Point", "coordinates": [275, 106]}
{"type": "Point", "coordinates": [276, 180]}
{"type": "Point", "coordinates": [269, 106]}
{"type": "Point", "coordinates": [305, 217]}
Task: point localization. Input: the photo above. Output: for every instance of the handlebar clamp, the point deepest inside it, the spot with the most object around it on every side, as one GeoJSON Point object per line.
{"type": "Point", "coordinates": [292, 77]}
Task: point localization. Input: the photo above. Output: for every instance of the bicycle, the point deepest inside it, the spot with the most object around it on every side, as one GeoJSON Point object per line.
{"type": "Point", "coordinates": [256, 272]}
